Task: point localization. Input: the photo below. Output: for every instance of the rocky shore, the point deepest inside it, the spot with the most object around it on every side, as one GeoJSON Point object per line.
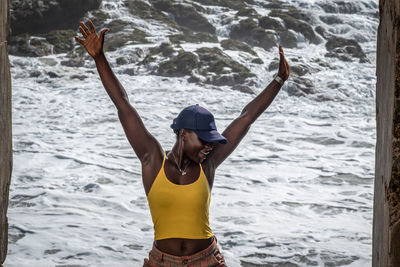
{"type": "Point", "coordinates": [42, 28]}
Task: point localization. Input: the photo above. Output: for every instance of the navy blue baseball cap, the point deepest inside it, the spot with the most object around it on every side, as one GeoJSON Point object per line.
{"type": "Point", "coordinates": [201, 121]}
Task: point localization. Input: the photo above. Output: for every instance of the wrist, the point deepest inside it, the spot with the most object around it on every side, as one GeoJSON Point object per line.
{"type": "Point", "coordinates": [279, 80]}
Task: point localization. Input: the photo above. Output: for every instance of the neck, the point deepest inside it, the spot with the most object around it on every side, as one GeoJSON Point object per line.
{"type": "Point", "coordinates": [180, 157]}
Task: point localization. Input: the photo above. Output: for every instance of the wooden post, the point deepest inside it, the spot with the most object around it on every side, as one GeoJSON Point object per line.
{"type": "Point", "coordinates": [5, 128]}
{"type": "Point", "coordinates": [386, 224]}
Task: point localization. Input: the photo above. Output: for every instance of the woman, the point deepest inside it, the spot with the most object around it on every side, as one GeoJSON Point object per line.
{"type": "Point", "coordinates": [178, 182]}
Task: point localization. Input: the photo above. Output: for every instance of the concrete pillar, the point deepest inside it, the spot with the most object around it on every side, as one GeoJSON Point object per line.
{"type": "Point", "coordinates": [386, 225]}
{"type": "Point", "coordinates": [5, 128]}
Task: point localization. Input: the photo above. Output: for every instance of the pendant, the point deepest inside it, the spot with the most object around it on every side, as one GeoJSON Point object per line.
{"type": "Point", "coordinates": [183, 173]}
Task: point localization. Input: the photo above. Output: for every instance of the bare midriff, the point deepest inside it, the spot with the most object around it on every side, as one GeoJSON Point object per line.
{"type": "Point", "coordinates": [182, 246]}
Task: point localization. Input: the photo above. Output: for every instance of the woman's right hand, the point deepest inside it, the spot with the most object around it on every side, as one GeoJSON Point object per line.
{"type": "Point", "coordinates": [93, 43]}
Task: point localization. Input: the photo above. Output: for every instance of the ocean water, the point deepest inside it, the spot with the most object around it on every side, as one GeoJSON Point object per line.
{"type": "Point", "coordinates": [298, 190]}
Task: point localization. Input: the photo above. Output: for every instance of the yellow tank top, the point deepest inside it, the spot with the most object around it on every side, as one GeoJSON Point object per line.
{"type": "Point", "coordinates": [180, 211]}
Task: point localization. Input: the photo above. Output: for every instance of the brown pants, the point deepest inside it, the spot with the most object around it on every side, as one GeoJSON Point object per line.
{"type": "Point", "coordinates": [208, 257]}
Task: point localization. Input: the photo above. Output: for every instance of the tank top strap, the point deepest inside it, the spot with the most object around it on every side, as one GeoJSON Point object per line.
{"type": "Point", "coordinates": [163, 163]}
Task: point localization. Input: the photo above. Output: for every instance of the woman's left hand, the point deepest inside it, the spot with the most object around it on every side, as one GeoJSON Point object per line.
{"type": "Point", "coordinates": [284, 68]}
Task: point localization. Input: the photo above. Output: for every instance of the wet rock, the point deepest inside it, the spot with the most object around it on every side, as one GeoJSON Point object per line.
{"type": "Point", "coordinates": [129, 71]}
{"type": "Point", "coordinates": [231, 44]}
{"type": "Point", "coordinates": [139, 36]}
{"type": "Point", "coordinates": [257, 61]}
{"type": "Point", "coordinates": [345, 49]}
{"type": "Point", "coordinates": [79, 77]}
{"type": "Point", "coordinates": [274, 65]}
{"type": "Point", "coordinates": [340, 7]}
{"type": "Point", "coordinates": [116, 25]}
{"type": "Point", "coordinates": [117, 41]}
{"type": "Point", "coordinates": [179, 66]}
{"type": "Point", "coordinates": [287, 39]}
{"type": "Point", "coordinates": [185, 15]}
{"type": "Point", "coordinates": [233, 4]}
{"type": "Point", "coordinates": [243, 88]}
{"type": "Point", "coordinates": [35, 74]}
{"type": "Point", "coordinates": [247, 12]}
{"type": "Point", "coordinates": [294, 20]}
{"type": "Point", "coordinates": [121, 61]}
{"type": "Point", "coordinates": [331, 19]}
{"type": "Point", "coordinates": [299, 70]}
{"type": "Point", "coordinates": [91, 188]}
{"type": "Point", "coordinates": [249, 32]}
{"type": "Point", "coordinates": [298, 86]}
{"type": "Point", "coordinates": [164, 49]}
{"type": "Point", "coordinates": [190, 37]}
{"type": "Point", "coordinates": [269, 23]}
{"type": "Point", "coordinates": [73, 62]}
{"type": "Point", "coordinates": [220, 69]}
{"type": "Point", "coordinates": [53, 74]}
{"type": "Point", "coordinates": [321, 31]}
{"type": "Point", "coordinates": [147, 12]}
{"type": "Point", "coordinates": [63, 40]}
{"type": "Point", "coordinates": [34, 17]}
{"type": "Point", "coordinates": [98, 17]}
{"type": "Point", "coordinates": [24, 45]}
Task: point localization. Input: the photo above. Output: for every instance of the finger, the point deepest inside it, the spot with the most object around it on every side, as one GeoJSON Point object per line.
{"type": "Point", "coordinates": [102, 33]}
{"type": "Point", "coordinates": [92, 29]}
{"type": "Point", "coordinates": [83, 32]}
{"type": "Point", "coordinates": [79, 40]}
{"type": "Point", "coordinates": [84, 27]}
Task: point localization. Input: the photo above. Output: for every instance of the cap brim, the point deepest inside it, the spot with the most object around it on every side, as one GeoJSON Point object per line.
{"type": "Point", "coordinates": [211, 136]}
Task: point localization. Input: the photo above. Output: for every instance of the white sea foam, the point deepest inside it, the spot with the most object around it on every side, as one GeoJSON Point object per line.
{"type": "Point", "coordinates": [298, 189]}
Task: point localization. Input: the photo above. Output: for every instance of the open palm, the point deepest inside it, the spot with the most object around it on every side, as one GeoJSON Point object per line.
{"type": "Point", "coordinates": [93, 43]}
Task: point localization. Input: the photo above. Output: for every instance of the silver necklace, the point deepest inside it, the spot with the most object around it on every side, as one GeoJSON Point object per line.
{"type": "Point", "coordinates": [183, 172]}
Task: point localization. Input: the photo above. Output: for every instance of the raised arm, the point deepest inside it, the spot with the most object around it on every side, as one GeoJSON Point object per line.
{"type": "Point", "coordinates": [142, 142]}
{"type": "Point", "coordinates": [238, 128]}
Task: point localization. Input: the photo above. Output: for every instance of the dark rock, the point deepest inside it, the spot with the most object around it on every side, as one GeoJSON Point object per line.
{"type": "Point", "coordinates": [298, 86]}
{"type": "Point", "coordinates": [269, 23]}
{"type": "Point", "coordinates": [139, 36]}
{"type": "Point", "coordinates": [243, 88]}
{"type": "Point", "coordinates": [247, 12]}
{"type": "Point", "coordinates": [190, 37]}
{"type": "Point", "coordinates": [147, 12]}
{"type": "Point", "coordinates": [164, 48]}
{"type": "Point", "coordinates": [62, 40]}
{"type": "Point", "coordinates": [116, 25]}
{"type": "Point", "coordinates": [91, 188]}
{"type": "Point", "coordinates": [35, 74]}
{"type": "Point", "coordinates": [52, 74]}
{"type": "Point", "coordinates": [293, 21]}
{"type": "Point", "coordinates": [179, 66]}
{"type": "Point", "coordinates": [273, 4]}
{"type": "Point", "coordinates": [129, 71]}
{"type": "Point", "coordinates": [233, 4]}
{"type": "Point", "coordinates": [185, 15]}
{"type": "Point", "coordinates": [344, 49]}
{"type": "Point", "coordinates": [257, 61]}
{"type": "Point", "coordinates": [331, 19]}
{"type": "Point", "coordinates": [287, 39]}
{"type": "Point", "coordinates": [321, 31]}
{"type": "Point", "coordinates": [222, 69]}
{"type": "Point", "coordinates": [36, 17]}
{"type": "Point", "coordinates": [79, 77]}
{"type": "Point", "coordinates": [299, 70]}
{"type": "Point", "coordinates": [24, 45]}
{"type": "Point", "coordinates": [274, 65]}
{"type": "Point", "coordinates": [117, 41]}
{"type": "Point", "coordinates": [247, 31]}
{"type": "Point", "coordinates": [98, 17]}
{"type": "Point", "coordinates": [340, 7]}
{"type": "Point", "coordinates": [121, 61]}
{"type": "Point", "coordinates": [73, 62]}
{"type": "Point", "coordinates": [231, 44]}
